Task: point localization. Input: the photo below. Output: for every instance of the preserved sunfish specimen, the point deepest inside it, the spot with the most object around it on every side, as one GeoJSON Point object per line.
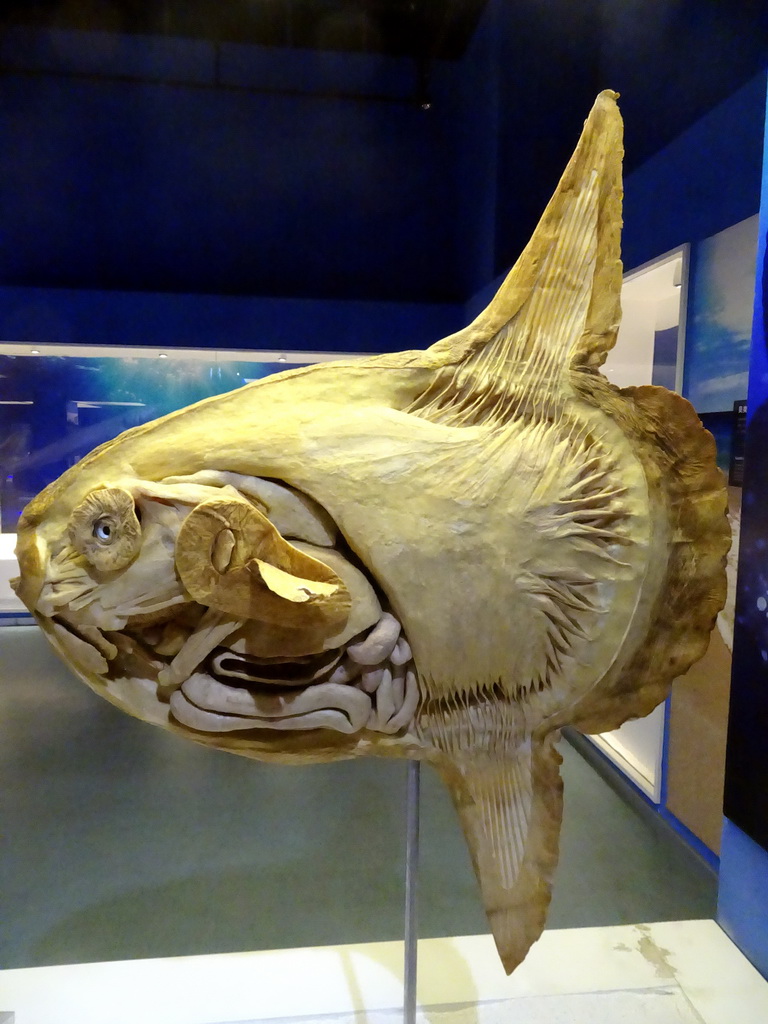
{"type": "Point", "coordinates": [446, 554]}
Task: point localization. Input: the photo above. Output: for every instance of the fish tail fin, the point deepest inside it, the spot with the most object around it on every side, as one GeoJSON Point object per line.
{"type": "Point", "coordinates": [510, 809]}
{"type": "Point", "coordinates": [679, 456]}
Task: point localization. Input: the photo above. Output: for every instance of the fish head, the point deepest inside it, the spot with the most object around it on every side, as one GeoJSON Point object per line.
{"type": "Point", "coordinates": [74, 563]}
{"type": "Point", "coordinates": [211, 603]}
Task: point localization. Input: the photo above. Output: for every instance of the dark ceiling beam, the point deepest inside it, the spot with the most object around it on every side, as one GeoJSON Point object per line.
{"type": "Point", "coordinates": [411, 28]}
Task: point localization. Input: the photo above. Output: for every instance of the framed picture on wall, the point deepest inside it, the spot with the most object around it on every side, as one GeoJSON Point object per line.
{"type": "Point", "coordinates": [719, 335]}
{"type": "Point", "coordinates": [720, 329]}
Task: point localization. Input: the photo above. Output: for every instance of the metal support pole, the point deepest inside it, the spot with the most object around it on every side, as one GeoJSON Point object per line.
{"type": "Point", "coordinates": [411, 890]}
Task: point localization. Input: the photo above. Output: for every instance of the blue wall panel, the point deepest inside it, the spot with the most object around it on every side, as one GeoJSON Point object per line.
{"type": "Point", "coordinates": [742, 906]}
{"type": "Point", "coordinates": [75, 317]}
{"type": "Point", "coordinates": [127, 184]}
{"type": "Point", "coordinates": [704, 181]}
{"type": "Point", "coordinates": [528, 173]}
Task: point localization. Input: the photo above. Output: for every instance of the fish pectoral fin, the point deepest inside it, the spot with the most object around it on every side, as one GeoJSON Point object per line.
{"type": "Point", "coordinates": [230, 557]}
{"type": "Point", "coordinates": [510, 807]}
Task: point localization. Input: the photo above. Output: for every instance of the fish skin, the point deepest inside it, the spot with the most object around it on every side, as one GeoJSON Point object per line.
{"type": "Point", "coordinates": [552, 548]}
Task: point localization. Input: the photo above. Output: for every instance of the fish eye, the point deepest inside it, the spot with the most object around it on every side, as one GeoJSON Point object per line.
{"type": "Point", "coordinates": [102, 531]}
{"type": "Point", "coordinates": [105, 529]}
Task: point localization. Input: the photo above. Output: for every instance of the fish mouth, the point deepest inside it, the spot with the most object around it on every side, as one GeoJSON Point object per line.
{"type": "Point", "coordinates": [85, 648]}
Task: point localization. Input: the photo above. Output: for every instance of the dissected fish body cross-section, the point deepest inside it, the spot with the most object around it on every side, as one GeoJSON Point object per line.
{"type": "Point", "coordinates": [446, 554]}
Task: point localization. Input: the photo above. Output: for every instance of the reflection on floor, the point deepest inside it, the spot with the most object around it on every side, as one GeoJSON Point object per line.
{"type": "Point", "coordinates": [120, 841]}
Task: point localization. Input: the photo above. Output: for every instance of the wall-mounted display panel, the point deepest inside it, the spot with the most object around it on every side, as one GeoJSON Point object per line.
{"type": "Point", "coordinates": [720, 328]}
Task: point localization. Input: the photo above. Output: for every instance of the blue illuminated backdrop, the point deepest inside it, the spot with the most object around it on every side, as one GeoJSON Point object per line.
{"type": "Point", "coordinates": [55, 408]}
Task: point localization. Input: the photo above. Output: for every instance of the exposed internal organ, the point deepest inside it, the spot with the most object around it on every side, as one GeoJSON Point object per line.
{"type": "Point", "coordinates": [219, 614]}
{"type": "Point", "coordinates": [371, 684]}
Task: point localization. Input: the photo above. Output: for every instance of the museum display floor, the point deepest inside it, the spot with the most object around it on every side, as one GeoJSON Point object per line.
{"type": "Point", "coordinates": [683, 972]}
{"type": "Point", "coordinates": [122, 842]}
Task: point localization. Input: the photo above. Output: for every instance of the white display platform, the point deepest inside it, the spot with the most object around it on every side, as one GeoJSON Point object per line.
{"type": "Point", "coordinates": [682, 972]}
{"type": "Point", "coordinates": [9, 568]}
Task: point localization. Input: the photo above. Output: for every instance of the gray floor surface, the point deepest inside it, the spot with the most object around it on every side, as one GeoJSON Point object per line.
{"type": "Point", "coordinates": [119, 841]}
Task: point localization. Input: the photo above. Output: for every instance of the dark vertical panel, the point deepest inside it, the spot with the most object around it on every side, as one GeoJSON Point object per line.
{"type": "Point", "coordinates": [746, 781]}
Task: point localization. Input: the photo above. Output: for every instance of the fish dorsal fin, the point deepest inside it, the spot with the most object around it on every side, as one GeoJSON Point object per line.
{"type": "Point", "coordinates": [559, 306]}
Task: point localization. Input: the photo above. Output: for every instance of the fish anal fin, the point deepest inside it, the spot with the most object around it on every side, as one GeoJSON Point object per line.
{"type": "Point", "coordinates": [510, 807]}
